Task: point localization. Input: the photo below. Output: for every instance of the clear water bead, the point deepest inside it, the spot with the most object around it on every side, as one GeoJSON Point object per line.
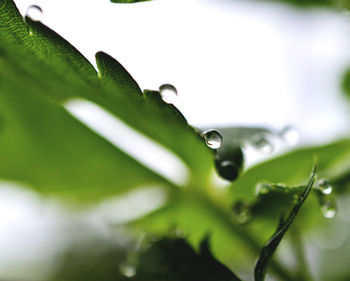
{"type": "Point", "coordinates": [290, 135]}
{"type": "Point", "coordinates": [168, 93]}
{"type": "Point", "coordinates": [128, 270]}
{"type": "Point", "coordinates": [325, 186]}
{"type": "Point", "coordinates": [212, 138]}
{"type": "Point", "coordinates": [328, 208]}
{"type": "Point", "coordinates": [262, 188]}
{"type": "Point", "coordinates": [262, 143]}
{"type": "Point", "coordinates": [241, 212]}
{"type": "Point", "coordinates": [34, 12]}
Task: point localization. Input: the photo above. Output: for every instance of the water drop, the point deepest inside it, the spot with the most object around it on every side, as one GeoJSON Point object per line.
{"type": "Point", "coordinates": [34, 12]}
{"type": "Point", "coordinates": [168, 93]}
{"type": "Point", "coordinates": [325, 186]}
{"type": "Point", "coordinates": [241, 212]}
{"type": "Point", "coordinates": [227, 169]}
{"type": "Point", "coordinates": [262, 143]}
{"type": "Point", "coordinates": [328, 208]}
{"type": "Point", "coordinates": [212, 138]}
{"type": "Point", "coordinates": [262, 188]}
{"type": "Point", "coordinates": [127, 270]}
{"type": "Point", "coordinates": [290, 135]}
{"type": "Point", "coordinates": [180, 233]}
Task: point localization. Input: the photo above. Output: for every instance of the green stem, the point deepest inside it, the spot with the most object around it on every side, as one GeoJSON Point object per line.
{"type": "Point", "coordinates": [243, 235]}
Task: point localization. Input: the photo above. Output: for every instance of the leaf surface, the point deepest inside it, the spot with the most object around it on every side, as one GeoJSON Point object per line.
{"type": "Point", "coordinates": [174, 259]}
{"type": "Point", "coordinates": [40, 72]}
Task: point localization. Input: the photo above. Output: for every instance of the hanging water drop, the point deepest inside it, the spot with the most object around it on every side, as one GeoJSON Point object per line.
{"type": "Point", "coordinates": [227, 169]}
{"type": "Point", "coordinates": [241, 212]}
{"type": "Point", "coordinates": [212, 138]}
{"type": "Point", "coordinates": [168, 93]}
{"type": "Point", "coordinates": [127, 270]}
{"type": "Point", "coordinates": [34, 12]}
{"type": "Point", "coordinates": [262, 143]}
{"type": "Point", "coordinates": [290, 135]}
{"type": "Point", "coordinates": [328, 208]}
{"type": "Point", "coordinates": [229, 162]}
{"type": "Point", "coordinates": [325, 186]}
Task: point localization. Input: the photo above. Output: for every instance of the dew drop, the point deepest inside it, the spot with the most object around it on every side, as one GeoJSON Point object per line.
{"type": "Point", "coordinates": [328, 208]}
{"type": "Point", "coordinates": [241, 212]}
{"type": "Point", "coordinates": [227, 169]}
{"type": "Point", "coordinates": [262, 188]}
{"type": "Point", "coordinates": [290, 135]}
{"type": "Point", "coordinates": [34, 12]}
{"type": "Point", "coordinates": [212, 138]}
{"type": "Point", "coordinates": [325, 186]}
{"type": "Point", "coordinates": [168, 93]}
{"type": "Point", "coordinates": [127, 270]}
{"type": "Point", "coordinates": [262, 143]}
{"type": "Point", "coordinates": [180, 233]}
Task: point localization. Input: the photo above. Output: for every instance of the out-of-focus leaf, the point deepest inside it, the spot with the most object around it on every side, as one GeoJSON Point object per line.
{"type": "Point", "coordinates": [41, 144]}
{"type": "Point", "coordinates": [308, 3]}
{"type": "Point", "coordinates": [90, 258]}
{"type": "Point", "coordinates": [174, 259]}
{"type": "Point", "coordinates": [271, 246]}
{"type": "Point", "coordinates": [315, 3]}
{"type": "Point", "coordinates": [128, 1]}
{"type": "Point", "coordinates": [194, 215]}
{"type": "Point", "coordinates": [346, 83]}
{"type": "Point", "coordinates": [291, 168]}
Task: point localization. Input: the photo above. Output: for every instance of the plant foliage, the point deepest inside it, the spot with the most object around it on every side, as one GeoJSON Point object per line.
{"type": "Point", "coordinates": [44, 147]}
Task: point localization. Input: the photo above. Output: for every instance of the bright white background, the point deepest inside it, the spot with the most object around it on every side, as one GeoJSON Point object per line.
{"type": "Point", "coordinates": [233, 63]}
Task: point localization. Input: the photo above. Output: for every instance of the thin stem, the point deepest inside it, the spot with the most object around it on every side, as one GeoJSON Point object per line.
{"type": "Point", "coordinates": [243, 235]}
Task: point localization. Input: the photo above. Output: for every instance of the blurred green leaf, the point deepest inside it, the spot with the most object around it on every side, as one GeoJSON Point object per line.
{"type": "Point", "coordinates": [128, 1]}
{"type": "Point", "coordinates": [174, 259]}
{"type": "Point", "coordinates": [90, 258]}
{"type": "Point", "coordinates": [316, 3]}
{"type": "Point", "coordinates": [309, 3]}
{"type": "Point", "coordinates": [193, 215]}
{"type": "Point", "coordinates": [197, 214]}
{"type": "Point", "coordinates": [48, 149]}
{"type": "Point", "coordinates": [346, 83]}
{"type": "Point", "coordinates": [291, 168]}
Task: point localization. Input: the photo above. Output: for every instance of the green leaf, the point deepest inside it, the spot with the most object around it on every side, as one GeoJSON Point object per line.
{"type": "Point", "coordinates": [128, 1]}
{"type": "Point", "coordinates": [291, 168]}
{"type": "Point", "coordinates": [91, 258]}
{"type": "Point", "coordinates": [316, 3]}
{"type": "Point", "coordinates": [44, 146]}
{"type": "Point", "coordinates": [113, 72]}
{"type": "Point", "coordinates": [309, 3]}
{"type": "Point", "coordinates": [346, 83]}
{"type": "Point", "coordinates": [270, 247]}
{"type": "Point", "coordinates": [174, 259]}
{"type": "Point", "coordinates": [54, 50]}
{"type": "Point", "coordinates": [47, 148]}
{"type": "Point", "coordinates": [195, 215]}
